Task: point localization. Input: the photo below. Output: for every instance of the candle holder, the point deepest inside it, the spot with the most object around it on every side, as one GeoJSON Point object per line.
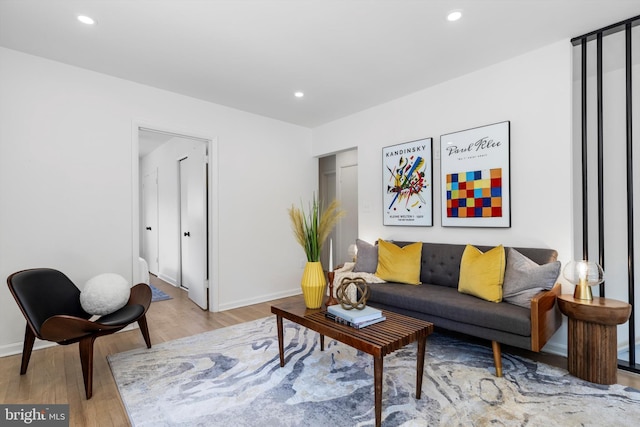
{"type": "Point", "coordinates": [331, 300]}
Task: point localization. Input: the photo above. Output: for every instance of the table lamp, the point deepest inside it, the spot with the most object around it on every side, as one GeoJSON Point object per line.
{"type": "Point", "coordinates": [352, 251]}
{"type": "Point", "coordinates": [583, 274]}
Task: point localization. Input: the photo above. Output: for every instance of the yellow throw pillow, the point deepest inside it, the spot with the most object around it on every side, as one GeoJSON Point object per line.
{"type": "Point", "coordinates": [482, 274]}
{"type": "Point", "coordinates": [396, 264]}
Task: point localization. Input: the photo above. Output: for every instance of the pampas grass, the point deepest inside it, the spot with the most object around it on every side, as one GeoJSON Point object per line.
{"type": "Point", "coordinates": [312, 229]}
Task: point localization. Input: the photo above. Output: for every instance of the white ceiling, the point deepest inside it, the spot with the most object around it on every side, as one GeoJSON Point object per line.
{"type": "Point", "coordinates": [346, 55]}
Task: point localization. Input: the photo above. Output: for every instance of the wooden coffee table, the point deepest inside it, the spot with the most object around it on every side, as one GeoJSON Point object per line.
{"type": "Point", "coordinates": [377, 340]}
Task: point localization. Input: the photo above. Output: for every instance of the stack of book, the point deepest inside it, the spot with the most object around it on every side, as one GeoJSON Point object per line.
{"type": "Point", "coordinates": [355, 318]}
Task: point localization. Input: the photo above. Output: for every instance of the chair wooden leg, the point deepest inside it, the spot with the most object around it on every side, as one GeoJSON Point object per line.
{"type": "Point", "coordinates": [497, 357]}
{"type": "Point", "coordinates": [142, 322]}
{"type": "Point", "coordinates": [86, 358]}
{"type": "Point", "coordinates": [29, 339]}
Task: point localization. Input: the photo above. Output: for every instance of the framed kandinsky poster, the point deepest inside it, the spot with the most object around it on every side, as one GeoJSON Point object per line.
{"type": "Point", "coordinates": [407, 183]}
{"type": "Point", "coordinates": [474, 171]}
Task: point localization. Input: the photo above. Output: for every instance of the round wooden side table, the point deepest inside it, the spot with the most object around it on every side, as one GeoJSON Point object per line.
{"type": "Point", "coordinates": [593, 341]}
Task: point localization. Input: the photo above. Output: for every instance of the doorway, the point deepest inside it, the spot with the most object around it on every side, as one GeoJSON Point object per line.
{"type": "Point", "coordinates": [348, 195]}
{"type": "Point", "coordinates": [339, 180]}
{"type": "Point", "coordinates": [185, 203]}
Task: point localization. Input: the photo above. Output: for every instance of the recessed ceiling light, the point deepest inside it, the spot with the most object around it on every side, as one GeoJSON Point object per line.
{"type": "Point", "coordinates": [454, 15]}
{"type": "Point", "coordinates": [299, 94]}
{"type": "Point", "coordinates": [86, 19]}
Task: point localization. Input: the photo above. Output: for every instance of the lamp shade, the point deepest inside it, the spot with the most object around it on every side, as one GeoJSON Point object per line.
{"type": "Point", "coordinates": [583, 273]}
{"type": "Point", "coordinates": [352, 251]}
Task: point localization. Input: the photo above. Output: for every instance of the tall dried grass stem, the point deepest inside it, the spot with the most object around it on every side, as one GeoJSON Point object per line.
{"type": "Point", "coordinates": [312, 229]}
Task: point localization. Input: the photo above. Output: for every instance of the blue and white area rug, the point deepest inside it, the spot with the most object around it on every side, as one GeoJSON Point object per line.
{"type": "Point", "coordinates": [232, 376]}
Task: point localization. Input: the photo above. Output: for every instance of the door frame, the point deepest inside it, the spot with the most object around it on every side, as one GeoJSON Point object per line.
{"type": "Point", "coordinates": [213, 260]}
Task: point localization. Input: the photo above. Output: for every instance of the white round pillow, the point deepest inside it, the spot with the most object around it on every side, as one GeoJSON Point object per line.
{"type": "Point", "coordinates": [104, 294]}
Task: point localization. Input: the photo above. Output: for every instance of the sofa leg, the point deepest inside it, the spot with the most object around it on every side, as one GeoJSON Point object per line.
{"type": "Point", "coordinates": [497, 358]}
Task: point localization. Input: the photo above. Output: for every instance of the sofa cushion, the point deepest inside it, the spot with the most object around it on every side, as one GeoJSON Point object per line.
{"type": "Point", "coordinates": [366, 258]}
{"type": "Point", "coordinates": [524, 278]}
{"type": "Point", "coordinates": [399, 264]}
{"type": "Point", "coordinates": [440, 263]}
{"type": "Point", "coordinates": [448, 303]}
{"type": "Point", "coordinates": [482, 274]}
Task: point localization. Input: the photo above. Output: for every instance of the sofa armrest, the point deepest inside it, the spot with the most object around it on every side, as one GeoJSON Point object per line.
{"type": "Point", "coordinates": [545, 317]}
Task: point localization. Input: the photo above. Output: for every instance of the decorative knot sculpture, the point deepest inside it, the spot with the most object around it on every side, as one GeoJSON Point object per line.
{"type": "Point", "coordinates": [362, 289]}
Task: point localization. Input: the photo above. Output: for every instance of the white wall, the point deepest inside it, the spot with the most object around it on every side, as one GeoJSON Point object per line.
{"type": "Point", "coordinates": [533, 92]}
{"type": "Point", "coordinates": [66, 181]}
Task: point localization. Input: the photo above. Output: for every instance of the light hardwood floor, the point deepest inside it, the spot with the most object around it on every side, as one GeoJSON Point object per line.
{"type": "Point", "coordinates": [55, 376]}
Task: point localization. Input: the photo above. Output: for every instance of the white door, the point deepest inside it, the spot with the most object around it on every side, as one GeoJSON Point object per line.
{"type": "Point", "coordinates": [193, 225]}
{"type": "Point", "coordinates": [348, 226]}
{"type": "Point", "coordinates": [150, 220]}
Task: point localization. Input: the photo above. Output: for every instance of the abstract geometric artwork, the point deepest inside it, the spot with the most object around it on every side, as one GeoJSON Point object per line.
{"type": "Point", "coordinates": [407, 184]}
{"type": "Point", "coordinates": [474, 167]}
{"type": "Point", "coordinates": [475, 194]}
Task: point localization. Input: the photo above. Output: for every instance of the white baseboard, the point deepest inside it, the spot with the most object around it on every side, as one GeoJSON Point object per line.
{"type": "Point", "coordinates": [624, 345]}
{"type": "Point", "coordinates": [168, 279]}
{"type": "Point", "coordinates": [557, 349]}
{"type": "Point", "coordinates": [562, 349]}
{"type": "Point", "coordinates": [16, 348]}
{"type": "Point", "coordinates": [260, 299]}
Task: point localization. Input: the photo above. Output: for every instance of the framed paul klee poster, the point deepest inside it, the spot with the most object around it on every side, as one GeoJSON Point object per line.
{"type": "Point", "coordinates": [408, 183]}
{"type": "Point", "coordinates": [474, 170]}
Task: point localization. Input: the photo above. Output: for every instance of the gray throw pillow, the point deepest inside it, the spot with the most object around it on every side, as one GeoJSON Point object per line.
{"type": "Point", "coordinates": [524, 278]}
{"type": "Point", "coordinates": [367, 257]}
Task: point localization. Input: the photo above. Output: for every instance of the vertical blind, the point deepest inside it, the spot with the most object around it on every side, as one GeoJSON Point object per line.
{"type": "Point", "coordinates": [606, 174]}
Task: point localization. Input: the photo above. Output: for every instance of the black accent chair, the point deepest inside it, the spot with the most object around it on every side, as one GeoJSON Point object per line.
{"type": "Point", "coordinates": [51, 304]}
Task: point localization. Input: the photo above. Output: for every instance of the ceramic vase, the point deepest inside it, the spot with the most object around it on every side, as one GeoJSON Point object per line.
{"type": "Point", "coordinates": [313, 284]}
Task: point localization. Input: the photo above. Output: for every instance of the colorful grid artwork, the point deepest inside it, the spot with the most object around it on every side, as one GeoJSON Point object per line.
{"type": "Point", "coordinates": [475, 194]}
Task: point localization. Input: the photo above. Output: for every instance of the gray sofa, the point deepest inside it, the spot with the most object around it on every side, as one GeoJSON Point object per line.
{"type": "Point", "coordinates": [437, 300]}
